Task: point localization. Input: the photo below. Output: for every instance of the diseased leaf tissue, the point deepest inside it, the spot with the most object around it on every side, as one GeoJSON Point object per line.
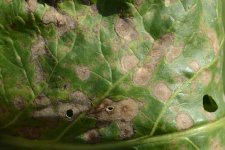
{"type": "Point", "coordinates": [119, 74]}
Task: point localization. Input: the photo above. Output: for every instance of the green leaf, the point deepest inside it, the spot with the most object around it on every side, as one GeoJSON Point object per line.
{"type": "Point", "coordinates": [116, 74]}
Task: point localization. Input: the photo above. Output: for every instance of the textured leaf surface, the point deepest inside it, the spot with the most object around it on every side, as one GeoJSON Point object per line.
{"type": "Point", "coordinates": [144, 74]}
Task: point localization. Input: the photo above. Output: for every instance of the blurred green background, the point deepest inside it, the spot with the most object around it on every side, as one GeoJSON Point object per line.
{"type": "Point", "coordinates": [223, 4]}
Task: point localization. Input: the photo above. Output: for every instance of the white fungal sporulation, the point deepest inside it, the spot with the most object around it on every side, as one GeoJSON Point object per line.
{"type": "Point", "coordinates": [82, 72]}
{"type": "Point", "coordinates": [125, 28]}
{"type": "Point", "coordinates": [161, 91]}
{"type": "Point", "coordinates": [141, 76]}
{"type": "Point", "coordinates": [184, 121]}
{"type": "Point", "coordinates": [128, 62]}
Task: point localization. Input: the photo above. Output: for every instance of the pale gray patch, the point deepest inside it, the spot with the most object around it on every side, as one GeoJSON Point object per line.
{"type": "Point", "coordinates": [47, 112]}
{"type": "Point", "coordinates": [184, 121]}
{"type": "Point", "coordinates": [63, 22]}
{"type": "Point", "coordinates": [128, 62]}
{"type": "Point", "coordinates": [80, 98]}
{"type": "Point", "coordinates": [82, 72]}
{"type": "Point", "coordinates": [161, 46]}
{"type": "Point", "coordinates": [32, 5]}
{"type": "Point", "coordinates": [125, 28]}
{"type": "Point", "coordinates": [141, 76]}
{"type": "Point", "coordinates": [161, 91]}
{"type": "Point", "coordinates": [39, 73]}
{"type": "Point", "coordinates": [38, 48]}
{"type": "Point", "coordinates": [158, 51]}
{"type": "Point", "coordinates": [42, 101]}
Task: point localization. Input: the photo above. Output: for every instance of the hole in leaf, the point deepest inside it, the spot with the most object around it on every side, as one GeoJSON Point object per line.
{"type": "Point", "coordinates": [209, 103]}
{"type": "Point", "coordinates": [109, 108]}
{"type": "Point", "coordinates": [69, 113]}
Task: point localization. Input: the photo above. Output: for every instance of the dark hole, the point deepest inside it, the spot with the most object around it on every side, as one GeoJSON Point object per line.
{"type": "Point", "coordinates": [69, 113]}
{"type": "Point", "coordinates": [109, 108]}
{"type": "Point", "coordinates": [209, 103]}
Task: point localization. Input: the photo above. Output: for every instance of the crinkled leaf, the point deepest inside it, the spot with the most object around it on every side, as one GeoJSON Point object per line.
{"type": "Point", "coordinates": [129, 74]}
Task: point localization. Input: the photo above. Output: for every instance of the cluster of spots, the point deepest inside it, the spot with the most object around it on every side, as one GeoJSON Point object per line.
{"type": "Point", "coordinates": [19, 103]}
{"type": "Point", "coordinates": [82, 72]}
{"type": "Point", "coordinates": [121, 112]}
{"type": "Point", "coordinates": [161, 91]}
{"type": "Point", "coordinates": [78, 103]}
{"type": "Point", "coordinates": [165, 46]}
{"type": "Point", "coordinates": [162, 47]}
{"type": "Point", "coordinates": [128, 62]}
{"type": "Point", "coordinates": [62, 21]}
{"type": "Point", "coordinates": [184, 121]}
{"type": "Point", "coordinates": [125, 28]}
